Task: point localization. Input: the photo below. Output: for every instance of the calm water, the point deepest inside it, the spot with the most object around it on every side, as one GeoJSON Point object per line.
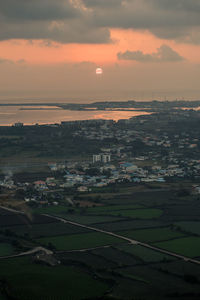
{"type": "Point", "coordinates": [89, 96]}
{"type": "Point", "coordinates": [49, 115]}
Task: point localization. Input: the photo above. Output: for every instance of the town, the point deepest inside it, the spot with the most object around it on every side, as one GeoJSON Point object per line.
{"type": "Point", "coordinates": [116, 203]}
{"type": "Point", "coordinates": [129, 151]}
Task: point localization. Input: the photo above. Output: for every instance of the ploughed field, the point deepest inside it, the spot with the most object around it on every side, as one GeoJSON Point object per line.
{"type": "Point", "coordinates": [91, 262]}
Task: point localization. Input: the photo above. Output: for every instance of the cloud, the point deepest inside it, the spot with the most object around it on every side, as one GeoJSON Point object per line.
{"type": "Point", "coordinates": [20, 10]}
{"type": "Point", "coordinates": [62, 21]}
{"type": "Point", "coordinates": [163, 54]}
{"type": "Point", "coordinates": [178, 5]}
{"type": "Point", "coordinates": [103, 3]}
{"type": "Point", "coordinates": [89, 21]}
{"type": "Point", "coordinates": [168, 19]}
{"type": "Point", "coordinates": [146, 14]}
{"type": "Point", "coordinates": [21, 61]}
{"type": "Point", "coordinates": [9, 61]}
{"type": "Point", "coordinates": [62, 32]}
{"type": "Point", "coordinates": [3, 61]}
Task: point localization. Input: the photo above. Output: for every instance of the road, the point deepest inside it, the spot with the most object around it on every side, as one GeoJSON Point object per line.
{"type": "Point", "coordinates": [132, 241]}
{"type": "Point", "coordinates": [12, 210]}
{"type": "Point", "coordinates": [29, 252]}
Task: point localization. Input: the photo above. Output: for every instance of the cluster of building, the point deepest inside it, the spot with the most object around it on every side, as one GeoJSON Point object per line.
{"type": "Point", "coordinates": [139, 150]}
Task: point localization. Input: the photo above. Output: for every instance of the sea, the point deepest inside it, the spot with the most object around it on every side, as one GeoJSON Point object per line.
{"type": "Point", "coordinates": [52, 114]}
{"type": "Point", "coordinates": [30, 115]}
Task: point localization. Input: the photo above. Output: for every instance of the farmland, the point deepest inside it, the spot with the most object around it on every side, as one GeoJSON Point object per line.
{"type": "Point", "coordinates": [139, 213]}
{"type": "Point", "coordinates": [145, 254]}
{"type": "Point", "coordinates": [91, 264]}
{"type": "Point", "coordinates": [152, 235]}
{"type": "Point", "coordinates": [40, 283]}
{"type": "Point", "coordinates": [80, 241]}
{"type": "Point", "coordinates": [190, 227]}
{"type": "Point", "coordinates": [188, 246]}
{"type": "Point", "coordinates": [6, 249]}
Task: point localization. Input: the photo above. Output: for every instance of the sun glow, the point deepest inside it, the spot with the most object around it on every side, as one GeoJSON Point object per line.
{"type": "Point", "coordinates": [99, 71]}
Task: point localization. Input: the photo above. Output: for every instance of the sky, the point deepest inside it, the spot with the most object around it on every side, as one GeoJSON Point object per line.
{"type": "Point", "coordinates": [148, 49]}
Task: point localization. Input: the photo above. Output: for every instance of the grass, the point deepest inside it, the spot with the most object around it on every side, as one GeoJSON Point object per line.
{"type": "Point", "coordinates": [33, 281]}
{"type": "Point", "coordinates": [110, 208]}
{"type": "Point", "coordinates": [152, 235]}
{"type": "Point", "coordinates": [88, 258]}
{"type": "Point", "coordinates": [188, 246]}
{"type": "Point", "coordinates": [180, 268]}
{"type": "Point", "coordinates": [76, 216]}
{"type": "Point", "coordinates": [45, 230]}
{"type": "Point", "coordinates": [129, 224]}
{"type": "Point", "coordinates": [6, 249]}
{"type": "Point", "coordinates": [85, 219]}
{"type": "Point", "coordinates": [80, 241]}
{"type": "Point", "coordinates": [131, 276]}
{"type": "Point", "coordinates": [148, 213]}
{"type": "Point", "coordinates": [192, 227]}
{"type": "Point", "coordinates": [145, 254]}
{"type": "Point", "coordinates": [160, 284]}
{"type": "Point", "coordinates": [52, 210]}
{"type": "Point", "coordinates": [115, 255]}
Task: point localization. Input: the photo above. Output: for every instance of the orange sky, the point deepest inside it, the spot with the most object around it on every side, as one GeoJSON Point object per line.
{"type": "Point", "coordinates": [37, 53]}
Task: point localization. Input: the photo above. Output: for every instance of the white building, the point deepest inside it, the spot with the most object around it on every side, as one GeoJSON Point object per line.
{"type": "Point", "coordinates": [104, 158]}
{"type": "Point", "coordinates": [96, 158]}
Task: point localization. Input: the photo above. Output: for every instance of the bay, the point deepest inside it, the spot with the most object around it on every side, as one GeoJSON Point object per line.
{"type": "Point", "coordinates": [30, 115]}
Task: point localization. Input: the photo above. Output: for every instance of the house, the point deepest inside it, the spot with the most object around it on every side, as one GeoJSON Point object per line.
{"type": "Point", "coordinates": [40, 185]}
{"type": "Point", "coordinates": [82, 189]}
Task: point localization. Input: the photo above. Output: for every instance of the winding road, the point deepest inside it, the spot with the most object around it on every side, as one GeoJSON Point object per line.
{"type": "Point", "coordinates": [29, 252]}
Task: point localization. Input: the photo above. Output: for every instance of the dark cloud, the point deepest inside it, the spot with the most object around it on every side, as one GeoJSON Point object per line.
{"type": "Point", "coordinates": [102, 3]}
{"type": "Point", "coordinates": [163, 54]}
{"type": "Point", "coordinates": [59, 31]}
{"type": "Point", "coordinates": [169, 19]}
{"type": "Point", "coordinates": [21, 10]}
{"type": "Point", "coordinates": [146, 14]}
{"type": "Point", "coordinates": [178, 5]}
{"type": "Point", "coordinates": [88, 21]}
{"type": "Point", "coordinates": [62, 21]}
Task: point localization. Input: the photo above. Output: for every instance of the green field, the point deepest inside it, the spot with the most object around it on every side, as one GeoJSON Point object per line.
{"type": "Point", "coordinates": [77, 215]}
{"type": "Point", "coordinates": [6, 249]}
{"type": "Point", "coordinates": [34, 281]}
{"type": "Point", "coordinates": [157, 285]}
{"type": "Point", "coordinates": [180, 268]}
{"type": "Point", "coordinates": [115, 255]}
{"type": "Point", "coordinates": [152, 235]}
{"type": "Point", "coordinates": [148, 213]}
{"type": "Point", "coordinates": [145, 254]}
{"type": "Point", "coordinates": [192, 227]}
{"type": "Point", "coordinates": [45, 230]}
{"type": "Point", "coordinates": [85, 219]}
{"type": "Point", "coordinates": [52, 210]}
{"type": "Point", "coordinates": [131, 276]}
{"type": "Point", "coordinates": [63, 210]}
{"type": "Point", "coordinates": [132, 224]}
{"type": "Point", "coordinates": [88, 258]}
{"type": "Point", "coordinates": [188, 246]}
{"type": "Point", "coordinates": [110, 208]}
{"type": "Point", "coordinates": [80, 241]}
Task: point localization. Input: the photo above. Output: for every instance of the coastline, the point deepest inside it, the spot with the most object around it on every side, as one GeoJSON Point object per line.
{"type": "Point", "coordinates": [31, 114]}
